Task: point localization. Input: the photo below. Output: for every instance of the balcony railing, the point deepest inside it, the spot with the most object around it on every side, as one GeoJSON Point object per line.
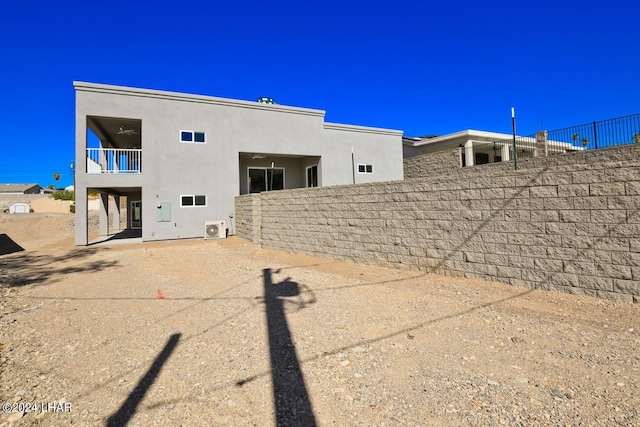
{"type": "Point", "coordinates": [111, 160]}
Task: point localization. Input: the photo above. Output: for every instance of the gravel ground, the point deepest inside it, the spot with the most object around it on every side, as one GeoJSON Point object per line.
{"type": "Point", "coordinates": [203, 333]}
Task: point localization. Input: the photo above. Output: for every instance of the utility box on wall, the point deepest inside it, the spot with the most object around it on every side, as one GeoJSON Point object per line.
{"type": "Point", "coordinates": [163, 211]}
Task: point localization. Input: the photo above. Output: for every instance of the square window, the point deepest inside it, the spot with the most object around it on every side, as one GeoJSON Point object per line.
{"type": "Point", "coordinates": [193, 136]}
{"type": "Point", "coordinates": [362, 168]}
{"type": "Point", "coordinates": [186, 136]}
{"type": "Point", "coordinates": [193, 200]}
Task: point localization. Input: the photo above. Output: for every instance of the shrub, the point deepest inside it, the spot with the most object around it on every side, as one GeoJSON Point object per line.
{"type": "Point", "coordinates": [64, 195]}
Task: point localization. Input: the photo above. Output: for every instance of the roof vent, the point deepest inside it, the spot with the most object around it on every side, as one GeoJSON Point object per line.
{"type": "Point", "coordinates": [265, 100]}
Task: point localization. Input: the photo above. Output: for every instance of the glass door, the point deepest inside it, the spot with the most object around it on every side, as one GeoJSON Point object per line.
{"type": "Point", "coordinates": [265, 179]}
{"type": "Point", "coordinates": [312, 176]}
{"type": "Point", "coordinates": [136, 214]}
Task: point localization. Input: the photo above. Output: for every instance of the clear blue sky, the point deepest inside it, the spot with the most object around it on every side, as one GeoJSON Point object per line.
{"type": "Point", "coordinates": [425, 67]}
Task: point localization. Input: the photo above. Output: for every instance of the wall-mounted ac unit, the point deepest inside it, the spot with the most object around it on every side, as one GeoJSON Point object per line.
{"type": "Point", "coordinates": [214, 230]}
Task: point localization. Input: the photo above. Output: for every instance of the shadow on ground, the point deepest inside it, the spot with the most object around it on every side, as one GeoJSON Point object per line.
{"type": "Point", "coordinates": [402, 331]}
{"type": "Point", "coordinates": [129, 407]}
{"type": "Point", "coordinates": [8, 246]}
{"type": "Point", "coordinates": [291, 399]}
{"type": "Point", "coordinates": [30, 268]}
{"type": "Point", "coordinates": [132, 234]}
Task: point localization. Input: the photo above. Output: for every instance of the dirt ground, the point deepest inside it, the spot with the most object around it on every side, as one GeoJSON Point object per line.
{"type": "Point", "coordinates": [223, 333]}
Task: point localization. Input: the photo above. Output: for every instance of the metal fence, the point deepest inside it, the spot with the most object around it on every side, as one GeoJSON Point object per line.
{"type": "Point", "coordinates": [603, 134]}
{"type": "Point", "coordinates": [111, 160]}
{"type": "Point", "coordinates": [500, 150]}
{"type": "Point", "coordinates": [591, 136]}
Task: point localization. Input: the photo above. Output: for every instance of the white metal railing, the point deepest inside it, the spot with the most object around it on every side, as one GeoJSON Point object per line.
{"type": "Point", "coordinates": [114, 160]}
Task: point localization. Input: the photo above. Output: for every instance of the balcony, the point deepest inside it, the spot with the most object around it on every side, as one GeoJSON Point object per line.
{"type": "Point", "coordinates": [114, 160]}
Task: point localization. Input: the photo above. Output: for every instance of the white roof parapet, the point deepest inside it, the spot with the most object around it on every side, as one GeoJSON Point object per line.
{"type": "Point", "coordinates": [178, 96]}
{"type": "Point", "coordinates": [465, 134]}
{"type": "Point", "coordinates": [364, 129]}
{"type": "Point", "coordinates": [479, 137]}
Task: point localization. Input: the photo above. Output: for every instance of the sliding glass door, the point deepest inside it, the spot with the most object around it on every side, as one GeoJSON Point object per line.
{"type": "Point", "coordinates": [265, 179]}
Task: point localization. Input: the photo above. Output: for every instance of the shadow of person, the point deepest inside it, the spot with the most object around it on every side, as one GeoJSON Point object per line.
{"type": "Point", "coordinates": [291, 399]}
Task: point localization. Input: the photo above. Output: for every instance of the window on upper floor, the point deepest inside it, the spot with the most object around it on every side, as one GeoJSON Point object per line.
{"type": "Point", "coordinates": [191, 136]}
{"type": "Point", "coordinates": [362, 168]}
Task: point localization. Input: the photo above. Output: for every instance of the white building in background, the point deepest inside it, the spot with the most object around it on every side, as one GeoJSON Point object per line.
{"type": "Point", "coordinates": [479, 147]}
{"type": "Point", "coordinates": [19, 208]}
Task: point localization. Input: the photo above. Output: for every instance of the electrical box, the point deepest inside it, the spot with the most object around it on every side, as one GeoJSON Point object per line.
{"type": "Point", "coordinates": [163, 211]}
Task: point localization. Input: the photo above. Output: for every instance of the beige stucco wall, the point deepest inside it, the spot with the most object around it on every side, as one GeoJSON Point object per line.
{"type": "Point", "coordinates": [50, 205]}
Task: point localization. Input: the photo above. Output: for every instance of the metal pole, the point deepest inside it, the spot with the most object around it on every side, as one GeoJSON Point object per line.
{"type": "Point", "coordinates": [72, 165]}
{"type": "Point", "coordinates": [353, 166]}
{"type": "Point", "coordinates": [272, 164]}
{"type": "Point", "coordinates": [595, 135]}
{"type": "Point", "coordinates": [513, 129]}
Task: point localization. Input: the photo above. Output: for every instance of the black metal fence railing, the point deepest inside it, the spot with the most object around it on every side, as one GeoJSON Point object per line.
{"type": "Point", "coordinates": [603, 134]}
{"type": "Point", "coordinates": [499, 150]}
{"type": "Point", "coordinates": [592, 136]}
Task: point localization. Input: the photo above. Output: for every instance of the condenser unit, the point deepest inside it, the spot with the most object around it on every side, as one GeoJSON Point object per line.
{"type": "Point", "coordinates": [214, 230]}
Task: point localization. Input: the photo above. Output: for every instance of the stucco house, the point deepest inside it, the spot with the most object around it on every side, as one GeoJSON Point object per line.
{"type": "Point", "coordinates": [20, 189]}
{"type": "Point", "coordinates": [181, 159]}
{"type": "Point", "coordinates": [19, 193]}
{"type": "Point", "coordinates": [479, 147]}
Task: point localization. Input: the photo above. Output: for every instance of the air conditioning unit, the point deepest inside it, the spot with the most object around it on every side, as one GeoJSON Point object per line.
{"type": "Point", "coordinates": [215, 230]}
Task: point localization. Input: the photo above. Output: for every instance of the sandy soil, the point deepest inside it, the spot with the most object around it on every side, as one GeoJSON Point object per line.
{"type": "Point", "coordinates": [203, 333]}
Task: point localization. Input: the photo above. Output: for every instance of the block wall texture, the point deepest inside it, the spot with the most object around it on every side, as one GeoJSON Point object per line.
{"type": "Point", "coordinates": [248, 217]}
{"type": "Point", "coordinates": [432, 164]}
{"type": "Point", "coordinates": [571, 225]}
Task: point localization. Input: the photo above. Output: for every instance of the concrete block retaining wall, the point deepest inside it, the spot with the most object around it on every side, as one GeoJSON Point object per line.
{"type": "Point", "coordinates": [248, 217]}
{"type": "Point", "coordinates": [438, 163]}
{"type": "Point", "coordinates": [566, 222]}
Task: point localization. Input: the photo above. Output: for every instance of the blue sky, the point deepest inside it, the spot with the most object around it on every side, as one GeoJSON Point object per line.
{"type": "Point", "coordinates": [419, 66]}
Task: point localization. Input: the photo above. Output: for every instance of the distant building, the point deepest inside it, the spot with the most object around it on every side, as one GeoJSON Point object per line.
{"type": "Point", "coordinates": [19, 193]}
{"type": "Point", "coordinates": [20, 189]}
{"type": "Point", "coordinates": [18, 208]}
{"type": "Point", "coordinates": [478, 147]}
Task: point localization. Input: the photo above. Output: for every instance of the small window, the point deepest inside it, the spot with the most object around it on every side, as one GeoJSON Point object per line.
{"type": "Point", "coordinates": [193, 200]}
{"type": "Point", "coordinates": [186, 136]}
{"type": "Point", "coordinates": [193, 136]}
{"type": "Point", "coordinates": [365, 168]}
